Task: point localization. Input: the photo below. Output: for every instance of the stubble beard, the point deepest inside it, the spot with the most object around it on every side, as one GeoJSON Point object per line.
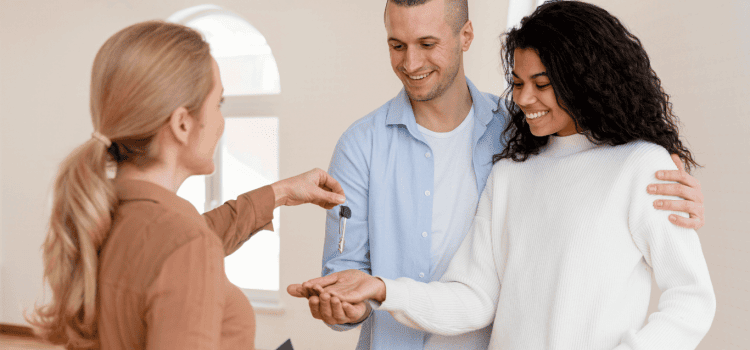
{"type": "Point", "coordinates": [442, 85]}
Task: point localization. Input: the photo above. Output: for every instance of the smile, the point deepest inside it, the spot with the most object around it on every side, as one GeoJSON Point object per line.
{"type": "Point", "coordinates": [418, 77]}
{"type": "Point", "coordinates": [536, 115]}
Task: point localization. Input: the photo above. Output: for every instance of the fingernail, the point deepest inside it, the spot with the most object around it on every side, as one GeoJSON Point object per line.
{"type": "Point", "coordinates": [672, 218]}
{"type": "Point", "coordinates": [658, 204]}
{"type": "Point", "coordinates": [341, 198]}
{"type": "Point", "coordinates": [651, 188]}
{"type": "Point", "coordinates": [659, 174]}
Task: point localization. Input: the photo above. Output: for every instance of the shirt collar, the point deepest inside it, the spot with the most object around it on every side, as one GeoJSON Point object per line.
{"type": "Point", "coordinates": [137, 190]}
{"type": "Point", "coordinates": [401, 112]}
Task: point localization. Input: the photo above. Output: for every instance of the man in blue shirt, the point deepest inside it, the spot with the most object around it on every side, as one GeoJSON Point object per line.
{"type": "Point", "coordinates": [413, 171]}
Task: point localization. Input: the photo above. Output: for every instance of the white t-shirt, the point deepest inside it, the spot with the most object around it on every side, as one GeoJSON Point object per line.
{"type": "Point", "coordinates": [453, 207]}
{"type": "Point", "coordinates": [455, 199]}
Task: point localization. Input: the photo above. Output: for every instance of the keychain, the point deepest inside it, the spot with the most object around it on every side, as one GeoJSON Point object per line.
{"type": "Point", "coordinates": [344, 213]}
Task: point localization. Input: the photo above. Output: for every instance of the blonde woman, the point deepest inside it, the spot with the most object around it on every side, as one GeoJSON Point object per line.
{"type": "Point", "coordinates": [130, 264]}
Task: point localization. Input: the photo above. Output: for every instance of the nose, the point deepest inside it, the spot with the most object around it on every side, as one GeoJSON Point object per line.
{"type": "Point", "coordinates": [412, 60]}
{"type": "Point", "coordinates": [525, 96]}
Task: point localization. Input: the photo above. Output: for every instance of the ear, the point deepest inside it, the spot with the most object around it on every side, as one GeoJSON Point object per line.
{"type": "Point", "coordinates": [467, 35]}
{"type": "Point", "coordinates": [181, 124]}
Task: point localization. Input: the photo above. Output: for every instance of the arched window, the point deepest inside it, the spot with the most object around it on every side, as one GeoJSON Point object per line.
{"type": "Point", "coordinates": [247, 156]}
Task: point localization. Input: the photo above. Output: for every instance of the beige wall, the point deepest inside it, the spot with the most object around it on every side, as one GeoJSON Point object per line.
{"type": "Point", "coordinates": [701, 52]}
{"type": "Point", "coordinates": [334, 68]}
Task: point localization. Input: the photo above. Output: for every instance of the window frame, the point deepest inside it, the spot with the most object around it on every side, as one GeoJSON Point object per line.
{"type": "Point", "coordinates": [237, 106]}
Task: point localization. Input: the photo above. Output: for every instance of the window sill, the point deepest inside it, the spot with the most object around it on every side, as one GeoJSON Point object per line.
{"type": "Point", "coordinates": [265, 302]}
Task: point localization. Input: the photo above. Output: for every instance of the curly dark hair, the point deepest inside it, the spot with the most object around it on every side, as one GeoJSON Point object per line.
{"type": "Point", "coordinates": [601, 76]}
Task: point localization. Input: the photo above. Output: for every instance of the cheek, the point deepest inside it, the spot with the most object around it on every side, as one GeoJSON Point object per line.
{"type": "Point", "coordinates": [395, 60]}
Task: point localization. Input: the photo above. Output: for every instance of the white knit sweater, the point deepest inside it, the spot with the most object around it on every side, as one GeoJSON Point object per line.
{"type": "Point", "coordinates": [560, 256]}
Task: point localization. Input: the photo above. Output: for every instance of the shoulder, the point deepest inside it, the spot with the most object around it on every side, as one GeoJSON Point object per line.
{"type": "Point", "coordinates": [646, 155]}
{"type": "Point", "coordinates": [370, 123]}
{"type": "Point", "coordinates": [159, 230]}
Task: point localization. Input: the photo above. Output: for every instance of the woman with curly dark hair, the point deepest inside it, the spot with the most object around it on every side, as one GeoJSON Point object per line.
{"type": "Point", "coordinates": [563, 244]}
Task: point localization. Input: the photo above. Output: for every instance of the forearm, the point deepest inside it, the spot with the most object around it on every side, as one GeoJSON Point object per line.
{"type": "Point", "coordinates": [450, 308]}
{"type": "Point", "coordinates": [237, 220]}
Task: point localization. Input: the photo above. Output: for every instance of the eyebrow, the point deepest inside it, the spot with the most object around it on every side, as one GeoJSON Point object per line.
{"type": "Point", "coordinates": [429, 37]}
{"type": "Point", "coordinates": [537, 75]}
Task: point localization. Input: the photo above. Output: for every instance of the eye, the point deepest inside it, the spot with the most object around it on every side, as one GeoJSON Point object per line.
{"type": "Point", "coordinates": [221, 102]}
{"type": "Point", "coordinates": [428, 45]}
{"type": "Point", "coordinates": [517, 85]}
{"type": "Point", "coordinates": [542, 86]}
{"type": "Point", "coordinates": [397, 46]}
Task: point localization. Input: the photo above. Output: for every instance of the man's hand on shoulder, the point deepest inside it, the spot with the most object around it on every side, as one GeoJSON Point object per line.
{"type": "Point", "coordinates": [684, 186]}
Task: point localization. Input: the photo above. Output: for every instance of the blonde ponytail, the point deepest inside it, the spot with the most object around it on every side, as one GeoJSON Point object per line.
{"type": "Point", "coordinates": [140, 76]}
{"type": "Point", "coordinates": [83, 200]}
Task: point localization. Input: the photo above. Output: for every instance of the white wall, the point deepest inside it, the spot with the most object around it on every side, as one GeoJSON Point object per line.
{"type": "Point", "coordinates": [334, 67]}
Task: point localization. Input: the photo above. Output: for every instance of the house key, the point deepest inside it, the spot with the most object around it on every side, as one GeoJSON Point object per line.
{"type": "Point", "coordinates": [344, 213]}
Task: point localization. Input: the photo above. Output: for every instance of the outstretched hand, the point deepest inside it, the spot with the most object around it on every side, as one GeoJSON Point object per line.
{"type": "Point", "coordinates": [314, 186]}
{"type": "Point", "coordinates": [686, 187]}
{"type": "Point", "coordinates": [340, 297]}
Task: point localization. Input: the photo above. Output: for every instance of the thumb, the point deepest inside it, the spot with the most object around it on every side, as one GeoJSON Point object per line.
{"type": "Point", "coordinates": [296, 290]}
{"type": "Point", "coordinates": [326, 196]}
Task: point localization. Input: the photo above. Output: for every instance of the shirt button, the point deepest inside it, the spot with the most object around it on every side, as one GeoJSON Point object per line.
{"type": "Point", "coordinates": [424, 234]}
{"type": "Point", "coordinates": [421, 275]}
{"type": "Point", "coordinates": [426, 193]}
{"type": "Point", "coordinates": [428, 155]}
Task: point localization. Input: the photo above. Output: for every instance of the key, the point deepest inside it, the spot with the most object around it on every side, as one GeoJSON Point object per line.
{"type": "Point", "coordinates": [344, 213]}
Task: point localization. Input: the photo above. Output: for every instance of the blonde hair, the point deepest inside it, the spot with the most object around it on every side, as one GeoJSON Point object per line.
{"type": "Point", "coordinates": [140, 76]}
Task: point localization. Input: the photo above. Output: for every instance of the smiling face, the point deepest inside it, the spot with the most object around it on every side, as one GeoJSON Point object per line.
{"type": "Point", "coordinates": [533, 93]}
{"type": "Point", "coordinates": [426, 53]}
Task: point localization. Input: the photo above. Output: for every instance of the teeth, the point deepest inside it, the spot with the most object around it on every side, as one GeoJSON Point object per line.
{"type": "Point", "coordinates": [419, 77]}
{"type": "Point", "coordinates": [536, 115]}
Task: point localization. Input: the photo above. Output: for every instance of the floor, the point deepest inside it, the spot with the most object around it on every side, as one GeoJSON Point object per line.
{"type": "Point", "coordinates": [11, 342]}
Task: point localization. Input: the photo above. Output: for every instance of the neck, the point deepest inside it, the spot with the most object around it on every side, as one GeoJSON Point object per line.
{"type": "Point", "coordinates": [448, 111]}
{"type": "Point", "coordinates": [164, 174]}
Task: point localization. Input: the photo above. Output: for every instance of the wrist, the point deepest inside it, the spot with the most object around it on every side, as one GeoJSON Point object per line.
{"type": "Point", "coordinates": [279, 193]}
{"type": "Point", "coordinates": [366, 314]}
{"type": "Point", "coordinates": [380, 296]}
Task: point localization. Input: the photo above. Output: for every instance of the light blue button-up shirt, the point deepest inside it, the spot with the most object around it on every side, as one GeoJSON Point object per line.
{"type": "Point", "coordinates": [381, 164]}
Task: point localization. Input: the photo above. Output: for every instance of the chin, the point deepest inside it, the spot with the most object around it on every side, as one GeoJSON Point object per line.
{"type": "Point", "coordinates": [539, 133]}
{"type": "Point", "coordinates": [207, 170]}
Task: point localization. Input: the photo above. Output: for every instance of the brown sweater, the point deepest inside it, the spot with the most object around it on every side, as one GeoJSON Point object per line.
{"type": "Point", "coordinates": [161, 277]}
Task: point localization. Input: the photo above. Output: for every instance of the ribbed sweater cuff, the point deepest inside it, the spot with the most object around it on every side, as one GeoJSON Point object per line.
{"type": "Point", "coordinates": [396, 296]}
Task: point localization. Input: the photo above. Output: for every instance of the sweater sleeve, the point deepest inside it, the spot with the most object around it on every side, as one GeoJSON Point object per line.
{"type": "Point", "coordinates": [185, 302]}
{"type": "Point", "coordinates": [687, 304]}
{"type": "Point", "coordinates": [237, 220]}
{"type": "Point", "coordinates": [465, 298]}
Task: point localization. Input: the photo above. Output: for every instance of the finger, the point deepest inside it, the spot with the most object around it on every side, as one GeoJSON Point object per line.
{"type": "Point", "coordinates": [322, 281]}
{"type": "Point", "coordinates": [314, 303]}
{"type": "Point", "coordinates": [692, 208]}
{"type": "Point", "coordinates": [678, 162]}
{"type": "Point", "coordinates": [297, 291]}
{"type": "Point", "coordinates": [673, 189]}
{"type": "Point", "coordinates": [331, 183]}
{"type": "Point", "coordinates": [692, 223]}
{"type": "Point", "coordinates": [678, 176]}
{"type": "Point", "coordinates": [338, 310]}
{"type": "Point", "coordinates": [325, 199]}
{"type": "Point", "coordinates": [325, 309]}
{"type": "Point", "coordinates": [353, 313]}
